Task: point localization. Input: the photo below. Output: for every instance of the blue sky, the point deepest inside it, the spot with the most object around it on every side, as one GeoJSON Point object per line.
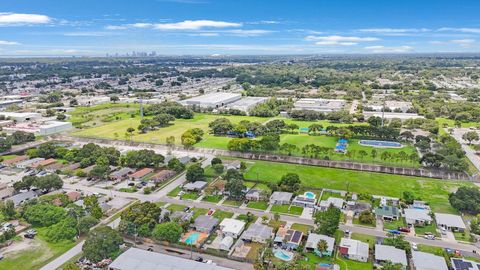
{"type": "Point", "coordinates": [203, 27]}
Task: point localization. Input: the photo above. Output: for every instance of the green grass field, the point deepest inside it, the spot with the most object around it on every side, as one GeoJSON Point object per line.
{"type": "Point", "coordinates": [258, 205]}
{"type": "Point", "coordinates": [39, 254]}
{"type": "Point", "coordinates": [434, 191]}
{"type": "Point", "coordinates": [212, 198]}
{"type": "Point", "coordinates": [287, 209]}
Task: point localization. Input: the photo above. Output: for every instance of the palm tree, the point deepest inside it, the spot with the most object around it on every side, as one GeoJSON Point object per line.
{"type": "Point", "coordinates": [322, 246]}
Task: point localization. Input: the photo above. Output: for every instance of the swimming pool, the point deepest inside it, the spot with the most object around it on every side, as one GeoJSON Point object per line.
{"type": "Point", "coordinates": [283, 255]}
{"type": "Point", "coordinates": [192, 238]}
{"type": "Point", "coordinates": [384, 144]}
{"type": "Point", "coordinates": [309, 195]}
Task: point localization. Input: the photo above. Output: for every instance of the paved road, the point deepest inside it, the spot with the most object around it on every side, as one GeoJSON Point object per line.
{"type": "Point", "coordinates": [469, 152]}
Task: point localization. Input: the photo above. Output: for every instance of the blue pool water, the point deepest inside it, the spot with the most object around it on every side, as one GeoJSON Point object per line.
{"type": "Point", "coordinates": [375, 143]}
{"type": "Point", "coordinates": [282, 255]}
{"type": "Point", "coordinates": [309, 195]}
{"type": "Point", "coordinates": [192, 238]}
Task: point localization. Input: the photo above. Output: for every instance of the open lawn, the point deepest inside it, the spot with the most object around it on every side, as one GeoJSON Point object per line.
{"type": "Point", "coordinates": [159, 136]}
{"type": "Point", "coordinates": [287, 209]}
{"type": "Point", "coordinates": [369, 239]}
{"type": "Point", "coordinates": [174, 192]}
{"type": "Point", "coordinates": [190, 196]}
{"type": "Point", "coordinates": [258, 205]}
{"type": "Point", "coordinates": [393, 225]}
{"type": "Point", "coordinates": [313, 260]}
{"type": "Point", "coordinates": [37, 255]}
{"type": "Point", "coordinates": [98, 115]}
{"type": "Point", "coordinates": [356, 221]}
{"type": "Point", "coordinates": [222, 215]}
{"type": "Point", "coordinates": [432, 228]}
{"type": "Point", "coordinates": [244, 218]}
{"type": "Point", "coordinates": [301, 227]}
{"type": "Point", "coordinates": [232, 203]}
{"type": "Point", "coordinates": [434, 191]}
{"type": "Point", "coordinates": [212, 198]}
{"type": "Point", "coordinates": [328, 194]}
{"type": "Point", "coordinates": [175, 207]}
{"type": "Point", "coordinates": [465, 237]}
{"type": "Point", "coordinates": [431, 249]}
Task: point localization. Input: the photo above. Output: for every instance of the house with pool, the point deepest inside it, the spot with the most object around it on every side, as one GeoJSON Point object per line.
{"type": "Point", "coordinates": [288, 238]}
{"type": "Point", "coordinates": [205, 223]}
{"type": "Point", "coordinates": [307, 199]}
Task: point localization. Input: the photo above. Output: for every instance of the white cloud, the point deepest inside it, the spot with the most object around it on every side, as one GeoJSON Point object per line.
{"type": "Point", "coordinates": [339, 40]}
{"type": "Point", "coordinates": [20, 19]}
{"type": "Point", "coordinates": [88, 34]}
{"type": "Point", "coordinates": [115, 27]}
{"type": "Point", "coordinates": [248, 33]}
{"type": "Point", "coordinates": [187, 25]}
{"type": "Point", "coordinates": [394, 30]}
{"type": "Point", "coordinates": [206, 34]}
{"type": "Point", "coordinates": [462, 30]}
{"type": "Point", "coordinates": [385, 49]}
{"type": "Point", "coordinates": [5, 42]}
{"type": "Point", "coordinates": [461, 42]}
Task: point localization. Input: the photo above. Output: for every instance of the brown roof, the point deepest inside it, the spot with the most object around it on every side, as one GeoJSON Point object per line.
{"type": "Point", "coordinates": [141, 173]}
{"type": "Point", "coordinates": [161, 175]}
{"type": "Point", "coordinates": [74, 196]}
{"type": "Point", "coordinates": [55, 166]}
{"type": "Point", "coordinates": [14, 160]}
{"type": "Point", "coordinates": [44, 163]}
{"type": "Point", "coordinates": [73, 166]}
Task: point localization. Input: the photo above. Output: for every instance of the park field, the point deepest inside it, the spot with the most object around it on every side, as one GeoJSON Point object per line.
{"type": "Point", "coordinates": [116, 130]}
{"type": "Point", "coordinates": [434, 191]}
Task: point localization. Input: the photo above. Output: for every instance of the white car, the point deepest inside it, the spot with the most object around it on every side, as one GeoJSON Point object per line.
{"type": "Point", "coordinates": [414, 246]}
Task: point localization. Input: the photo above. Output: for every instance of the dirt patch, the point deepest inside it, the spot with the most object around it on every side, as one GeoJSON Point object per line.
{"type": "Point", "coordinates": [22, 245]}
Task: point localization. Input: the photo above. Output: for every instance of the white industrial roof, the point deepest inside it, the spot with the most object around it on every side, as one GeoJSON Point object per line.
{"type": "Point", "coordinates": [138, 259]}
{"type": "Point", "coordinates": [450, 220]}
{"type": "Point", "coordinates": [213, 97]}
{"type": "Point", "coordinates": [427, 261]}
{"type": "Point", "coordinates": [389, 253]}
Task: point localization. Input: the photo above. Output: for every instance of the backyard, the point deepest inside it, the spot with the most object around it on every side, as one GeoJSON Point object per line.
{"type": "Point", "coordinates": [434, 191]}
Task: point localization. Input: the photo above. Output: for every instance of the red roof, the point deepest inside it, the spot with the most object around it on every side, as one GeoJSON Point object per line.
{"type": "Point", "coordinates": [141, 173]}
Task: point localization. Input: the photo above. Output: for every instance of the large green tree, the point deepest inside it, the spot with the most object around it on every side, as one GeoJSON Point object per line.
{"type": "Point", "coordinates": [195, 173]}
{"type": "Point", "coordinates": [169, 231]}
{"type": "Point", "coordinates": [328, 221]}
{"type": "Point", "coordinates": [102, 243]}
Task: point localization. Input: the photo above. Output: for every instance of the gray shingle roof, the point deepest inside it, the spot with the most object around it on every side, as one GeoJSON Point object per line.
{"type": "Point", "coordinates": [389, 253]}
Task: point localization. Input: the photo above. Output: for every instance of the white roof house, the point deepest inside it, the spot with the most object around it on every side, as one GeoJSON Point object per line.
{"type": "Point", "coordinates": [427, 261]}
{"type": "Point", "coordinates": [232, 227]}
{"type": "Point", "coordinates": [354, 249]}
{"type": "Point", "coordinates": [388, 253]}
{"type": "Point", "coordinates": [336, 202]}
{"type": "Point", "coordinates": [313, 240]}
{"type": "Point", "coordinates": [138, 259]}
{"type": "Point", "coordinates": [449, 221]}
{"type": "Point", "coordinates": [416, 216]}
{"type": "Point", "coordinates": [226, 243]}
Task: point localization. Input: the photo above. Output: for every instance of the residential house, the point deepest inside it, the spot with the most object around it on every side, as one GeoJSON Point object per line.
{"type": "Point", "coordinates": [358, 207]}
{"type": "Point", "coordinates": [417, 217]}
{"type": "Point", "coordinates": [162, 176]}
{"type": "Point", "coordinates": [74, 196]}
{"type": "Point", "coordinates": [385, 253]}
{"type": "Point", "coordinates": [313, 240]}
{"type": "Point", "coordinates": [232, 227]}
{"type": "Point", "coordinates": [26, 163]}
{"type": "Point", "coordinates": [450, 222]}
{"type": "Point", "coordinates": [57, 166]}
{"type": "Point", "coordinates": [72, 166]}
{"type": "Point", "coordinates": [226, 243]}
{"type": "Point", "coordinates": [288, 238]}
{"type": "Point", "coordinates": [428, 261]}
{"type": "Point", "coordinates": [164, 215]}
{"type": "Point", "coordinates": [420, 205]}
{"type": "Point", "coordinates": [205, 224]}
{"type": "Point", "coordinates": [88, 169]}
{"type": "Point", "coordinates": [13, 161]}
{"type": "Point", "coordinates": [195, 186]}
{"type": "Point", "coordinates": [23, 197]}
{"type": "Point", "coordinates": [353, 249]}
{"type": "Point", "coordinates": [257, 233]}
{"type": "Point", "coordinates": [121, 174]}
{"type": "Point", "coordinates": [6, 191]}
{"type": "Point", "coordinates": [181, 216]}
{"type": "Point", "coordinates": [336, 202]}
{"type": "Point", "coordinates": [141, 174]}
{"type": "Point", "coordinates": [305, 200]}
{"type": "Point", "coordinates": [234, 164]}
{"type": "Point", "coordinates": [254, 195]}
{"type": "Point", "coordinates": [184, 160]}
{"type": "Point", "coordinates": [279, 197]}
{"type": "Point", "coordinates": [387, 212]}
{"type": "Point", "coordinates": [43, 163]}
{"type": "Point", "coordinates": [464, 264]}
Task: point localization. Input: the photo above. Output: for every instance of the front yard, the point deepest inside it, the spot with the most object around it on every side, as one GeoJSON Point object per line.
{"type": "Point", "coordinates": [261, 205]}
{"type": "Point", "coordinates": [287, 209]}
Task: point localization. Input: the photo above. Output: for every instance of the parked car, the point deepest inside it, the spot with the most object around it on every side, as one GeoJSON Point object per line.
{"type": "Point", "coordinates": [404, 229]}
{"type": "Point", "coordinates": [414, 246]}
{"type": "Point", "coordinates": [444, 231]}
{"type": "Point", "coordinates": [394, 231]}
{"type": "Point", "coordinates": [429, 236]}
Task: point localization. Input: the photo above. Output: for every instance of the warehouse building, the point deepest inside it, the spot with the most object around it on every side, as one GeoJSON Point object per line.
{"type": "Point", "coordinates": [41, 129]}
{"type": "Point", "coordinates": [320, 105]}
{"type": "Point", "coordinates": [247, 103]}
{"type": "Point", "coordinates": [212, 100]}
{"type": "Point", "coordinates": [21, 117]}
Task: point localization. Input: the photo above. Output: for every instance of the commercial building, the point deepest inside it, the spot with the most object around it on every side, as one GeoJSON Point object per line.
{"type": "Point", "coordinates": [41, 129]}
{"type": "Point", "coordinates": [212, 100]}
{"type": "Point", "coordinates": [247, 103]}
{"type": "Point", "coordinates": [138, 259]}
{"type": "Point", "coordinates": [21, 117]}
{"type": "Point", "coordinates": [390, 115]}
{"type": "Point", "coordinates": [320, 105]}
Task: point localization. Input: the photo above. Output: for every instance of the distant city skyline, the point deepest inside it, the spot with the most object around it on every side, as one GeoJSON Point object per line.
{"type": "Point", "coordinates": [247, 27]}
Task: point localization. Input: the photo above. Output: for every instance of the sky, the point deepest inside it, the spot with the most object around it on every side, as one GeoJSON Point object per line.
{"type": "Point", "coordinates": [237, 27]}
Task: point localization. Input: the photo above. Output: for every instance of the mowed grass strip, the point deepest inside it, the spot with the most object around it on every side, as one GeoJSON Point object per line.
{"type": "Point", "coordinates": [434, 191]}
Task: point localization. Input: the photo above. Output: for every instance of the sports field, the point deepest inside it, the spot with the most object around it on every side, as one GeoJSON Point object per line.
{"type": "Point", "coordinates": [434, 191]}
